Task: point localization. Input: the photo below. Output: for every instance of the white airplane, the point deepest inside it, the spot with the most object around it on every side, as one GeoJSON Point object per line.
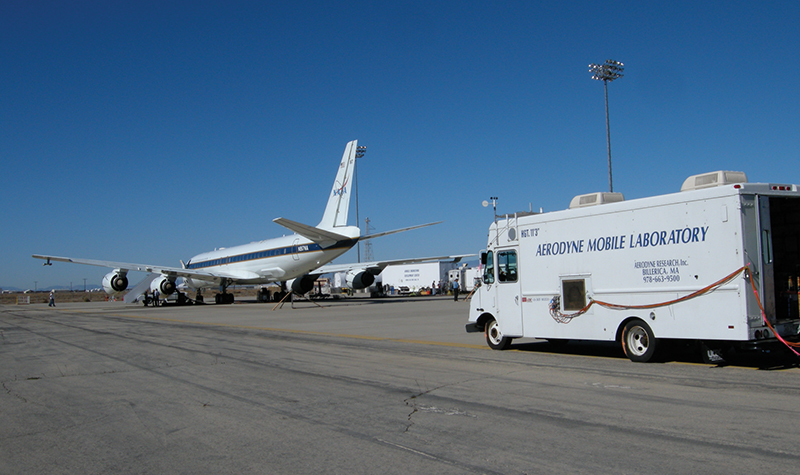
{"type": "Point", "coordinates": [295, 260]}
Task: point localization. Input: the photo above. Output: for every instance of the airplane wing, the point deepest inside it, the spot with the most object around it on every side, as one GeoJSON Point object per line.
{"type": "Point", "coordinates": [376, 267]}
{"type": "Point", "coordinates": [214, 276]}
{"type": "Point", "coordinates": [386, 233]}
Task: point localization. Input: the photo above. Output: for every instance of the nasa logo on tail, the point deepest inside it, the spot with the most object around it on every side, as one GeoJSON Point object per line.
{"type": "Point", "coordinates": [340, 191]}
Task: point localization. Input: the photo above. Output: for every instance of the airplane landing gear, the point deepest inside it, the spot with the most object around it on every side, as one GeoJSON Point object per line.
{"type": "Point", "coordinates": [263, 295]}
{"type": "Point", "coordinates": [223, 298]}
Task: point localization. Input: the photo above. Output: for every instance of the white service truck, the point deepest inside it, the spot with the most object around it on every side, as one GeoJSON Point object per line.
{"type": "Point", "coordinates": [468, 277]}
{"type": "Point", "coordinates": [413, 277]}
{"type": "Point", "coordinates": [695, 265]}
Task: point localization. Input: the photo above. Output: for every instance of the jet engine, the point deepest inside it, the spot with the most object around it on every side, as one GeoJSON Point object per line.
{"type": "Point", "coordinates": [163, 285]}
{"type": "Point", "coordinates": [359, 278]}
{"type": "Point", "coordinates": [115, 282]}
{"type": "Point", "coordinates": [194, 283]}
{"type": "Point", "coordinates": [301, 285]}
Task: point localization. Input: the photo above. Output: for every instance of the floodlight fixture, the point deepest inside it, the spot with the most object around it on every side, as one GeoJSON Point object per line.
{"type": "Point", "coordinates": [608, 71]}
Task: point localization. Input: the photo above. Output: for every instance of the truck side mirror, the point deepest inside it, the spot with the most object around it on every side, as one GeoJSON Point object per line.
{"type": "Point", "coordinates": [483, 258]}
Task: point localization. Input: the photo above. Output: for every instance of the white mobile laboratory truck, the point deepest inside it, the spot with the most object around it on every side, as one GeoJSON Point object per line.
{"type": "Point", "coordinates": [695, 265]}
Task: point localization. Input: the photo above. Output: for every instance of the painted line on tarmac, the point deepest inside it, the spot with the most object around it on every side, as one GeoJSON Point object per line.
{"type": "Point", "coordinates": [305, 332]}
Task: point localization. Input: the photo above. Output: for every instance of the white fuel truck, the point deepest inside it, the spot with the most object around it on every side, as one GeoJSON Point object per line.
{"type": "Point", "coordinates": [697, 265]}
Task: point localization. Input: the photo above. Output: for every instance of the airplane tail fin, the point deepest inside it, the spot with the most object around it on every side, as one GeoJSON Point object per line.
{"type": "Point", "coordinates": [339, 200]}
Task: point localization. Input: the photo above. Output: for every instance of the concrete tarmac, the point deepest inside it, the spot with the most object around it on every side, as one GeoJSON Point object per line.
{"type": "Point", "coordinates": [370, 386]}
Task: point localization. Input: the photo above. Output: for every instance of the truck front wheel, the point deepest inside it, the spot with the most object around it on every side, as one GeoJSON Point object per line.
{"type": "Point", "coordinates": [638, 341]}
{"type": "Point", "coordinates": [494, 337]}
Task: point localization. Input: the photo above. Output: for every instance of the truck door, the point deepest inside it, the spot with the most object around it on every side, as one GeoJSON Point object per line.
{"type": "Point", "coordinates": [758, 252]}
{"type": "Point", "coordinates": [785, 227]}
{"type": "Point", "coordinates": [485, 298]}
{"type": "Point", "coordinates": [767, 257]}
{"type": "Point", "coordinates": [509, 301]}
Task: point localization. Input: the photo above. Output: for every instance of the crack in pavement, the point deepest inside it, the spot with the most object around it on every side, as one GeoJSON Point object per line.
{"type": "Point", "coordinates": [412, 402]}
{"type": "Point", "coordinates": [8, 390]}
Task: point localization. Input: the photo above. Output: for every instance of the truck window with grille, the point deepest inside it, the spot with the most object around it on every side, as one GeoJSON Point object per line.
{"type": "Point", "coordinates": [574, 292]}
{"type": "Point", "coordinates": [507, 266]}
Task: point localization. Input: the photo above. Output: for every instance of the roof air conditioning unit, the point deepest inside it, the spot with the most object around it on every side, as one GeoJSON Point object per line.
{"type": "Point", "coordinates": [710, 180]}
{"type": "Point", "coordinates": [593, 199]}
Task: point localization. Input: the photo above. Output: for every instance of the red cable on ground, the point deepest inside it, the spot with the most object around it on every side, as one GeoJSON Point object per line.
{"type": "Point", "coordinates": [788, 344]}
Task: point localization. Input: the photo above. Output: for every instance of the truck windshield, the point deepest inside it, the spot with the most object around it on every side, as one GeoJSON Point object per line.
{"type": "Point", "coordinates": [488, 271]}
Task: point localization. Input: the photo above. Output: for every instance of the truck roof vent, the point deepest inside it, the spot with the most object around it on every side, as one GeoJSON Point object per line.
{"type": "Point", "coordinates": [710, 180]}
{"type": "Point", "coordinates": [592, 199]}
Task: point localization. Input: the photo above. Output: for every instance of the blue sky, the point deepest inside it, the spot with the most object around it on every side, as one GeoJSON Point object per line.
{"type": "Point", "coordinates": [152, 131]}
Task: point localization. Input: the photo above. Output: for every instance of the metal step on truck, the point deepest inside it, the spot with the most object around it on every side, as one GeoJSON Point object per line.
{"type": "Point", "coordinates": [717, 263]}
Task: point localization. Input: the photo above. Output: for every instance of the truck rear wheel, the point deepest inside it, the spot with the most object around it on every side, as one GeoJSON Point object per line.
{"type": "Point", "coordinates": [494, 337]}
{"type": "Point", "coordinates": [638, 341]}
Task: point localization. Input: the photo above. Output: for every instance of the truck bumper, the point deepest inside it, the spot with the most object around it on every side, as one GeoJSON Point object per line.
{"type": "Point", "coordinates": [474, 328]}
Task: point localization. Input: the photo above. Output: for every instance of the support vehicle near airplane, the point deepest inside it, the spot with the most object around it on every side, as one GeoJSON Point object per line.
{"type": "Point", "coordinates": [717, 263]}
{"type": "Point", "coordinates": [468, 277]}
{"type": "Point", "coordinates": [295, 261]}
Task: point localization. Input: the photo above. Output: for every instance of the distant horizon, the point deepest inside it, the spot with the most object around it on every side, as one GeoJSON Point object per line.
{"type": "Point", "coordinates": [471, 262]}
{"type": "Point", "coordinates": [49, 288]}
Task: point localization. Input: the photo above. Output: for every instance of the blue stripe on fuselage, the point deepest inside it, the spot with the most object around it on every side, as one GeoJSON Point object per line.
{"type": "Point", "coordinates": [268, 253]}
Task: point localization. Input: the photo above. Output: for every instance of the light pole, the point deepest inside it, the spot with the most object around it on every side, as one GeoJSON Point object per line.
{"type": "Point", "coordinates": [494, 208]}
{"type": "Point", "coordinates": [606, 72]}
{"type": "Point", "coordinates": [360, 151]}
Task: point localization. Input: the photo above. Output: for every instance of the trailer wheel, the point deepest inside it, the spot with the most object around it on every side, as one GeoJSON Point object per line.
{"type": "Point", "coordinates": [495, 338]}
{"type": "Point", "coordinates": [638, 341]}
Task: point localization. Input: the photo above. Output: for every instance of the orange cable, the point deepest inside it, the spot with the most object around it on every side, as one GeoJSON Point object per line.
{"type": "Point", "coordinates": [788, 344]}
{"type": "Point", "coordinates": [709, 288]}
{"type": "Point", "coordinates": [565, 318]}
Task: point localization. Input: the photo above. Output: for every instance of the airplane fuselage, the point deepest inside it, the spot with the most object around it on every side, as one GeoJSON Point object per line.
{"type": "Point", "coordinates": [272, 260]}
